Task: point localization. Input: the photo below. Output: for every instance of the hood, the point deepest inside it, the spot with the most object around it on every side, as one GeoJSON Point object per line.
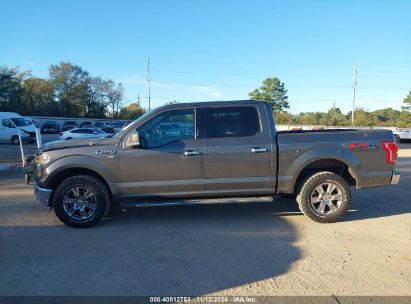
{"type": "Point", "coordinates": [29, 128]}
{"type": "Point", "coordinates": [63, 144]}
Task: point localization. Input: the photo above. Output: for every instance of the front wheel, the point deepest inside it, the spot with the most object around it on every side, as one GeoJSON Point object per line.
{"type": "Point", "coordinates": [81, 201]}
{"type": "Point", "coordinates": [324, 197]}
{"type": "Point", "coordinates": [15, 140]}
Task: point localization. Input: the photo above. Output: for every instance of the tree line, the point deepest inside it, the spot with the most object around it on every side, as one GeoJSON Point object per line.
{"type": "Point", "coordinates": [273, 91]}
{"type": "Point", "coordinates": [70, 91]}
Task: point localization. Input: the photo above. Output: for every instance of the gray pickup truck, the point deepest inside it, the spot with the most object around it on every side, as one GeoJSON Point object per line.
{"type": "Point", "coordinates": [211, 150]}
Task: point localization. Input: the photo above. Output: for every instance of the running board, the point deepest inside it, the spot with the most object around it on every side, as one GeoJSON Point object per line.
{"type": "Point", "coordinates": [138, 204]}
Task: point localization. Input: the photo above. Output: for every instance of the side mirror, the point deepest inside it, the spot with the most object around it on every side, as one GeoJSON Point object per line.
{"type": "Point", "coordinates": [132, 141]}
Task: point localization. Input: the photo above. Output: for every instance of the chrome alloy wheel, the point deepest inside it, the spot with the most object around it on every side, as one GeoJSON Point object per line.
{"type": "Point", "coordinates": [326, 198]}
{"type": "Point", "coordinates": [79, 203]}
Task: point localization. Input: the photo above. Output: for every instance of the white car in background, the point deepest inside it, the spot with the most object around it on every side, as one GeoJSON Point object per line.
{"type": "Point", "coordinates": [402, 134]}
{"type": "Point", "coordinates": [83, 133]}
{"type": "Point", "coordinates": [118, 126]}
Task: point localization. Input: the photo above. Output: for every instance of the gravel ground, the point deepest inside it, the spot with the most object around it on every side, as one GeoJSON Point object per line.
{"type": "Point", "coordinates": [254, 248]}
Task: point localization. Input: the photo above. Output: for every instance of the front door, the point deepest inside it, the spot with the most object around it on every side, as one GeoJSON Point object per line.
{"type": "Point", "coordinates": [169, 161]}
{"type": "Point", "coordinates": [238, 158]}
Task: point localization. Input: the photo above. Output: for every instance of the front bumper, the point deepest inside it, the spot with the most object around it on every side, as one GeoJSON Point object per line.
{"type": "Point", "coordinates": [27, 138]}
{"type": "Point", "coordinates": [395, 179]}
{"type": "Point", "coordinates": [42, 195]}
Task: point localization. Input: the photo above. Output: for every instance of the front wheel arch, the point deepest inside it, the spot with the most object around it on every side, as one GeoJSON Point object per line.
{"type": "Point", "coordinates": [81, 201]}
{"type": "Point", "coordinates": [15, 140]}
{"type": "Point", "coordinates": [67, 173]}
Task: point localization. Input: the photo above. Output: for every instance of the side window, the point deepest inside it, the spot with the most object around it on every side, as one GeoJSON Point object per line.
{"type": "Point", "coordinates": [167, 127]}
{"type": "Point", "coordinates": [7, 123]}
{"type": "Point", "coordinates": [233, 122]}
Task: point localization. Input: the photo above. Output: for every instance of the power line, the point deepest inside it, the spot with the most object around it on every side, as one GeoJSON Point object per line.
{"type": "Point", "coordinates": [279, 74]}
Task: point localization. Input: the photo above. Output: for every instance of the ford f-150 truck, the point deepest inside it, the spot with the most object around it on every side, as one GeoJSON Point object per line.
{"type": "Point", "coordinates": [211, 150]}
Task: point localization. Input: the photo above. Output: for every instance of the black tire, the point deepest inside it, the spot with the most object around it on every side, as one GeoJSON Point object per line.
{"type": "Point", "coordinates": [397, 138]}
{"type": "Point", "coordinates": [307, 195]}
{"type": "Point", "coordinates": [101, 201]}
{"type": "Point", "coordinates": [15, 140]}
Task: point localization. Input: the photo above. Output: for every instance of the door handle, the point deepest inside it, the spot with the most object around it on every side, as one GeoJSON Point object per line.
{"type": "Point", "coordinates": [259, 150]}
{"type": "Point", "coordinates": [191, 152]}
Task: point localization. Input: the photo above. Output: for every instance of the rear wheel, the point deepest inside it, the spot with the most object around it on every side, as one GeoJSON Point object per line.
{"type": "Point", "coordinates": [81, 201]}
{"type": "Point", "coordinates": [324, 197]}
{"type": "Point", "coordinates": [397, 138]}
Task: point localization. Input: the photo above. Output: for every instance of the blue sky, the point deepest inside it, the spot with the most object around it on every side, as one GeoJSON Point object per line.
{"type": "Point", "coordinates": [221, 50]}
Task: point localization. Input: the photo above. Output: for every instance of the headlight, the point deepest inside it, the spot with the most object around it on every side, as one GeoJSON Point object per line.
{"type": "Point", "coordinates": [42, 159]}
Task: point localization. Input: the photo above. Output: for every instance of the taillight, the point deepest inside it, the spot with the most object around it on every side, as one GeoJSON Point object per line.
{"type": "Point", "coordinates": [391, 149]}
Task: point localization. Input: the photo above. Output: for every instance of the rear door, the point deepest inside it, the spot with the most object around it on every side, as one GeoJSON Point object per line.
{"type": "Point", "coordinates": [238, 151]}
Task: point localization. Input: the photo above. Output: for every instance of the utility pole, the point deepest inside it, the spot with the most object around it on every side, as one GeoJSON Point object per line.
{"type": "Point", "coordinates": [354, 86]}
{"type": "Point", "coordinates": [149, 83]}
{"type": "Point", "coordinates": [138, 98]}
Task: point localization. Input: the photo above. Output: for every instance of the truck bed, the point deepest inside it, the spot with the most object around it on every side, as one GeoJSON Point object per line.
{"type": "Point", "coordinates": [359, 150]}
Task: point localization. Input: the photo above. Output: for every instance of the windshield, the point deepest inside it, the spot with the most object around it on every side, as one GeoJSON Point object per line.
{"type": "Point", "coordinates": [19, 122]}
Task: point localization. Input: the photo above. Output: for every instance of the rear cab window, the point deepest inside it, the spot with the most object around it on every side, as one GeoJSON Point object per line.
{"type": "Point", "coordinates": [232, 122]}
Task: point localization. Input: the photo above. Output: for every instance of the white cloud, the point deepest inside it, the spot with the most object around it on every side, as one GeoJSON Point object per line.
{"type": "Point", "coordinates": [210, 91]}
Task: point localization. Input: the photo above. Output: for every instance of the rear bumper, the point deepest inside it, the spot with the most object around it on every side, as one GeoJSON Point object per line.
{"type": "Point", "coordinates": [395, 179]}
{"type": "Point", "coordinates": [42, 195]}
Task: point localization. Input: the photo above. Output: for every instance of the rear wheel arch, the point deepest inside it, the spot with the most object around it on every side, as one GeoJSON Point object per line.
{"type": "Point", "coordinates": [328, 164]}
{"type": "Point", "coordinates": [324, 197]}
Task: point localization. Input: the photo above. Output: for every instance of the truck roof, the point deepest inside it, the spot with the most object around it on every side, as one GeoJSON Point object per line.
{"type": "Point", "coordinates": [225, 102]}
